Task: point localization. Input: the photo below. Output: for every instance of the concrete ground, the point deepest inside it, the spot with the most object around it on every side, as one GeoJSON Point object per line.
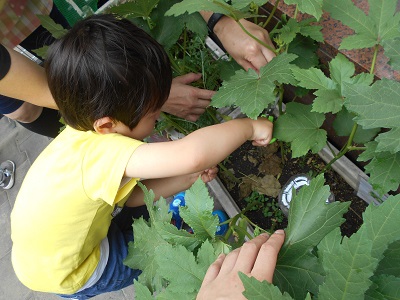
{"type": "Point", "coordinates": [22, 146]}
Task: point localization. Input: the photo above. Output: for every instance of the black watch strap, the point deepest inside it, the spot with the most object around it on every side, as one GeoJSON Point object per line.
{"type": "Point", "coordinates": [213, 20]}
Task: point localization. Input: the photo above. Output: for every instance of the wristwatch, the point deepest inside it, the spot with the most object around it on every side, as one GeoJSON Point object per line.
{"type": "Point", "coordinates": [213, 20]}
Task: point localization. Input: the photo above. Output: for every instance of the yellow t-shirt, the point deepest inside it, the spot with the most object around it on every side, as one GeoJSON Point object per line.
{"type": "Point", "coordinates": [63, 209]}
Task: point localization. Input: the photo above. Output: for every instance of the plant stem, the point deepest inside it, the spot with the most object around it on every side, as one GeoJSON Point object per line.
{"type": "Point", "coordinates": [174, 124]}
{"type": "Point", "coordinates": [376, 49]}
{"type": "Point", "coordinates": [228, 173]}
{"type": "Point", "coordinates": [271, 14]}
{"type": "Point", "coordinates": [296, 12]}
{"type": "Point", "coordinates": [346, 148]}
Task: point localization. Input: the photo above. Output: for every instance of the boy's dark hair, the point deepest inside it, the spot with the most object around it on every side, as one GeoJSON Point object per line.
{"type": "Point", "coordinates": [106, 66]}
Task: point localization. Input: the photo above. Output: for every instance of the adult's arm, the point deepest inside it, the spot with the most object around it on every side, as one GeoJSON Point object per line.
{"type": "Point", "coordinates": [245, 50]}
{"type": "Point", "coordinates": [26, 81]}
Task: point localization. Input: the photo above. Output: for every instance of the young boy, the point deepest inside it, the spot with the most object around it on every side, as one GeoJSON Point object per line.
{"type": "Point", "coordinates": [109, 80]}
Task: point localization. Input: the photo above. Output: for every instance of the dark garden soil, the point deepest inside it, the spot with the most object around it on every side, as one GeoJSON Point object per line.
{"type": "Point", "coordinates": [258, 167]}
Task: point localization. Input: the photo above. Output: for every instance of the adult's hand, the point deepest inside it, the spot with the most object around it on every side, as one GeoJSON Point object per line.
{"type": "Point", "coordinates": [245, 50]}
{"type": "Point", "coordinates": [186, 101]}
{"type": "Point", "coordinates": [256, 258]}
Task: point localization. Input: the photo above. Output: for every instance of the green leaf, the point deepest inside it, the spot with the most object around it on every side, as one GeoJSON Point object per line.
{"type": "Point", "coordinates": [141, 254]}
{"type": "Point", "coordinates": [305, 49]}
{"type": "Point", "coordinates": [141, 291]}
{"type": "Point", "coordinates": [41, 52]}
{"type": "Point", "coordinates": [301, 128]}
{"type": "Point", "coordinates": [310, 220]}
{"type": "Point", "coordinates": [377, 105]}
{"type": "Point", "coordinates": [379, 25]}
{"type": "Point", "coordinates": [392, 51]}
{"type": "Point", "coordinates": [173, 235]}
{"type": "Point", "coordinates": [355, 18]}
{"type": "Point", "coordinates": [327, 101]}
{"type": "Point", "coordinates": [257, 290]}
{"type": "Point", "coordinates": [198, 211]}
{"type": "Point", "coordinates": [343, 125]}
{"type": "Point", "coordinates": [387, 229]}
{"type": "Point", "coordinates": [135, 9]}
{"type": "Point", "coordinates": [240, 4]}
{"type": "Point", "coordinates": [178, 265]}
{"type": "Point", "coordinates": [311, 7]}
{"type": "Point", "coordinates": [348, 270]}
{"type": "Point", "coordinates": [217, 6]}
{"type": "Point", "coordinates": [389, 141]}
{"type": "Point", "coordinates": [253, 92]}
{"type": "Point", "coordinates": [56, 30]}
{"type": "Point", "coordinates": [341, 69]}
{"type": "Point", "coordinates": [386, 287]}
{"type": "Point", "coordinates": [384, 168]}
{"type": "Point", "coordinates": [312, 79]}
{"type": "Point", "coordinates": [390, 263]}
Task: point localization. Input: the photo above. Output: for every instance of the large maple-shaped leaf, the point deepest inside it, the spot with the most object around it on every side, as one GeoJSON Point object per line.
{"type": "Point", "coordinates": [311, 7]}
{"type": "Point", "coordinates": [382, 225]}
{"type": "Point", "coordinates": [329, 94]}
{"type": "Point", "coordinates": [301, 127]}
{"type": "Point", "coordinates": [350, 265]}
{"type": "Point", "coordinates": [141, 254]}
{"type": "Point", "coordinates": [389, 141]}
{"type": "Point", "coordinates": [380, 24]}
{"type": "Point", "coordinates": [290, 30]}
{"type": "Point", "coordinates": [253, 92]}
{"type": "Point", "coordinates": [384, 168]}
{"type": "Point", "coordinates": [377, 105]}
{"type": "Point", "coordinates": [180, 267]}
{"type": "Point", "coordinates": [310, 220]}
{"type": "Point", "coordinates": [349, 268]}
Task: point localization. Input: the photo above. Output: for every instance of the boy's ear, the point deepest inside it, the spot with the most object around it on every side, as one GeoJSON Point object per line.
{"type": "Point", "coordinates": [104, 125]}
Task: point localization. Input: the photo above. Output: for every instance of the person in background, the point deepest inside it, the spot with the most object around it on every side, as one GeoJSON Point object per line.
{"type": "Point", "coordinates": [19, 25]}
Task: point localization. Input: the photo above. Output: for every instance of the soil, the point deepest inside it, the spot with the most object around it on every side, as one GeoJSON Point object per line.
{"type": "Point", "coordinates": [261, 168]}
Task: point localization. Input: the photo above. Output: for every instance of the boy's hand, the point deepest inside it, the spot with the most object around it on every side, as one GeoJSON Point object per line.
{"type": "Point", "coordinates": [208, 174]}
{"type": "Point", "coordinates": [262, 132]}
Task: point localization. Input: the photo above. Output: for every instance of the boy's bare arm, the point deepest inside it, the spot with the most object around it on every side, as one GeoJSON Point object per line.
{"type": "Point", "coordinates": [164, 187]}
{"type": "Point", "coordinates": [198, 151]}
{"type": "Point", "coordinates": [26, 81]}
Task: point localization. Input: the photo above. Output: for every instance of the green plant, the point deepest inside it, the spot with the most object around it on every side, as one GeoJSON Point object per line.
{"type": "Point", "coordinates": [354, 98]}
{"type": "Point", "coordinates": [315, 259]}
{"type": "Point", "coordinates": [362, 107]}
{"type": "Point", "coordinates": [268, 206]}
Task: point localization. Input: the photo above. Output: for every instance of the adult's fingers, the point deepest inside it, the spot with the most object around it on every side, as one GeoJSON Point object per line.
{"type": "Point", "coordinates": [248, 254]}
{"type": "Point", "coordinates": [265, 263]}
{"type": "Point", "coordinates": [213, 270]}
{"type": "Point", "coordinates": [187, 78]}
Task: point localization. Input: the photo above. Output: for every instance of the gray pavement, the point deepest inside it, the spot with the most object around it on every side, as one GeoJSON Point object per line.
{"type": "Point", "coordinates": [22, 146]}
